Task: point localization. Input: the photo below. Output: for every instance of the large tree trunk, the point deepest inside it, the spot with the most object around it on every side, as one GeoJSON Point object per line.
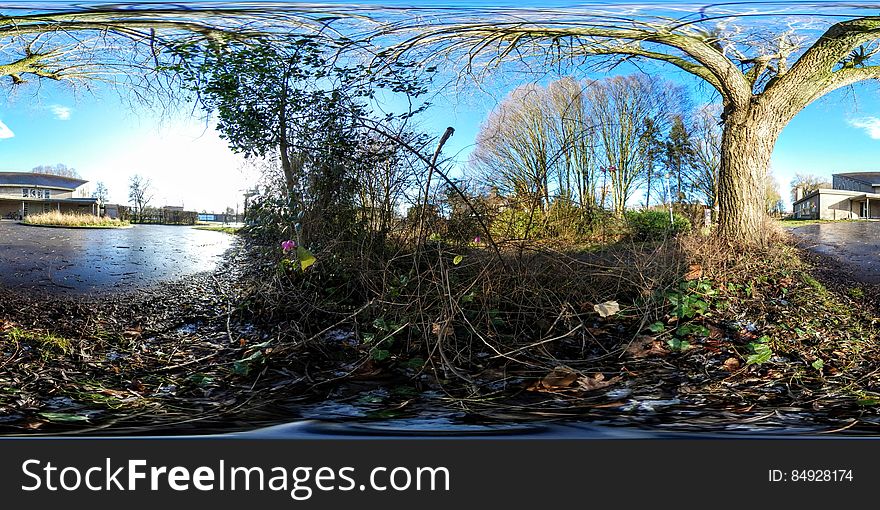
{"type": "Point", "coordinates": [746, 146]}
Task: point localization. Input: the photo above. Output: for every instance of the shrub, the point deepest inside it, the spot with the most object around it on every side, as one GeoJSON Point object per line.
{"type": "Point", "coordinates": [55, 218]}
{"type": "Point", "coordinates": [649, 225]}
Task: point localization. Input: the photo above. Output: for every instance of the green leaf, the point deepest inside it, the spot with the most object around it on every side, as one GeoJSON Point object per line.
{"type": "Point", "coordinates": [818, 364]}
{"type": "Point", "coordinates": [381, 354]}
{"type": "Point", "coordinates": [64, 417]}
{"type": "Point", "coordinates": [761, 353]}
{"type": "Point", "coordinates": [414, 363]}
{"type": "Point", "coordinates": [243, 366]}
{"type": "Point", "coordinates": [693, 329]}
{"type": "Point", "coordinates": [657, 327]}
{"type": "Point", "coordinates": [200, 379]}
{"type": "Point", "coordinates": [457, 260]}
{"type": "Point", "coordinates": [677, 344]}
{"type": "Point", "coordinates": [305, 257]}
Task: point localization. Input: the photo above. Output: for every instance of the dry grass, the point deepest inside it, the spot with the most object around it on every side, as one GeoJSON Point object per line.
{"type": "Point", "coordinates": [56, 218]}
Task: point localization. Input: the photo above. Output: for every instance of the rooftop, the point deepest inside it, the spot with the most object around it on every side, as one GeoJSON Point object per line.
{"type": "Point", "coordinates": [43, 180]}
{"type": "Point", "coordinates": [872, 178]}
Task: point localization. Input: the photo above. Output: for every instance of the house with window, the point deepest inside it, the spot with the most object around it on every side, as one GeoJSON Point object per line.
{"type": "Point", "coordinates": [23, 193]}
{"type": "Point", "coordinates": [854, 195]}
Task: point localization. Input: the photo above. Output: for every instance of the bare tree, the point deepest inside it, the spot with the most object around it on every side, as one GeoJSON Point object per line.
{"type": "Point", "coordinates": [764, 78]}
{"type": "Point", "coordinates": [59, 169]}
{"type": "Point", "coordinates": [772, 196]}
{"type": "Point", "coordinates": [706, 151]}
{"type": "Point", "coordinates": [514, 151]}
{"type": "Point", "coordinates": [619, 106]}
{"type": "Point", "coordinates": [574, 132]}
{"type": "Point", "coordinates": [140, 194]}
{"type": "Point", "coordinates": [807, 183]}
{"type": "Point", "coordinates": [101, 193]}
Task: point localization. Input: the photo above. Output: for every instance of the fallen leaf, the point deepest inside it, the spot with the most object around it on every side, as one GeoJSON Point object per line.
{"type": "Point", "coordinates": [695, 271]}
{"type": "Point", "coordinates": [598, 381]}
{"type": "Point", "coordinates": [731, 364]}
{"type": "Point", "coordinates": [640, 345]}
{"type": "Point", "coordinates": [607, 308]}
{"type": "Point", "coordinates": [559, 377]}
{"type": "Point", "coordinates": [646, 346]}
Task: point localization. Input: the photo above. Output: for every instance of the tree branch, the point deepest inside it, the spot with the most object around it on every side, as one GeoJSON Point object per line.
{"type": "Point", "coordinates": [816, 65]}
{"type": "Point", "coordinates": [680, 62]}
{"type": "Point", "coordinates": [471, 38]}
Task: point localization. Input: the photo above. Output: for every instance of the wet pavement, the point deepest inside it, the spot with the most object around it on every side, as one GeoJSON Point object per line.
{"type": "Point", "coordinates": [854, 244]}
{"type": "Point", "coordinates": [87, 261]}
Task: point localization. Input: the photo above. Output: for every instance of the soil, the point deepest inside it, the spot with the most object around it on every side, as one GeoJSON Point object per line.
{"type": "Point", "coordinates": [175, 358]}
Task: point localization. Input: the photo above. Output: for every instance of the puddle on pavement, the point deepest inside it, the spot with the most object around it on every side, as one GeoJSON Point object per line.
{"type": "Point", "coordinates": [855, 244]}
{"type": "Point", "coordinates": [84, 261]}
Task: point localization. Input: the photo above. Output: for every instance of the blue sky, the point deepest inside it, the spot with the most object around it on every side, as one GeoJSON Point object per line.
{"type": "Point", "coordinates": [190, 165]}
{"type": "Point", "coordinates": [108, 141]}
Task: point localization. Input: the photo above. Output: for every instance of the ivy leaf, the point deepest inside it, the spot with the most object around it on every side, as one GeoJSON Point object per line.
{"type": "Point", "coordinates": [677, 344]}
{"type": "Point", "coordinates": [657, 327]}
{"type": "Point", "coordinates": [761, 353]}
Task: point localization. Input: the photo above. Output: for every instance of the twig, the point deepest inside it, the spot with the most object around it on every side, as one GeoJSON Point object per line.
{"type": "Point", "coordinates": [542, 342]}
{"type": "Point", "coordinates": [348, 317]}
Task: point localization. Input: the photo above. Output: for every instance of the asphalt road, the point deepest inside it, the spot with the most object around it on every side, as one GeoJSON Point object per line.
{"type": "Point", "coordinates": [853, 244]}
{"type": "Point", "coordinates": [87, 261]}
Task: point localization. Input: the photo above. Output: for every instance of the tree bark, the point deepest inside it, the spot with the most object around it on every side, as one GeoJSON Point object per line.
{"type": "Point", "coordinates": [746, 146]}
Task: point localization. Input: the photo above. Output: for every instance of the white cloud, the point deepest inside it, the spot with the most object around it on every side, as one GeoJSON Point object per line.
{"type": "Point", "coordinates": [5, 132]}
{"type": "Point", "coordinates": [61, 112]}
{"type": "Point", "coordinates": [871, 125]}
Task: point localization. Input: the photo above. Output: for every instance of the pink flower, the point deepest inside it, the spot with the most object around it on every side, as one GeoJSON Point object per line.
{"type": "Point", "coordinates": [288, 245]}
{"type": "Point", "coordinates": [477, 240]}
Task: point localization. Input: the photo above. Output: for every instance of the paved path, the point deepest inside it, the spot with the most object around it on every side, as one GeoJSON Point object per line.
{"type": "Point", "coordinates": [86, 261]}
{"type": "Point", "coordinates": [855, 244]}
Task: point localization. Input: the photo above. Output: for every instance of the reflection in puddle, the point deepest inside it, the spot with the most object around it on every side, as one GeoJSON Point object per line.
{"type": "Point", "coordinates": [82, 261]}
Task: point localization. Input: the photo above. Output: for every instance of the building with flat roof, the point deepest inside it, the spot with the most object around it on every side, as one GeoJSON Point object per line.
{"type": "Point", "coordinates": [853, 195]}
{"type": "Point", "coordinates": [23, 193]}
